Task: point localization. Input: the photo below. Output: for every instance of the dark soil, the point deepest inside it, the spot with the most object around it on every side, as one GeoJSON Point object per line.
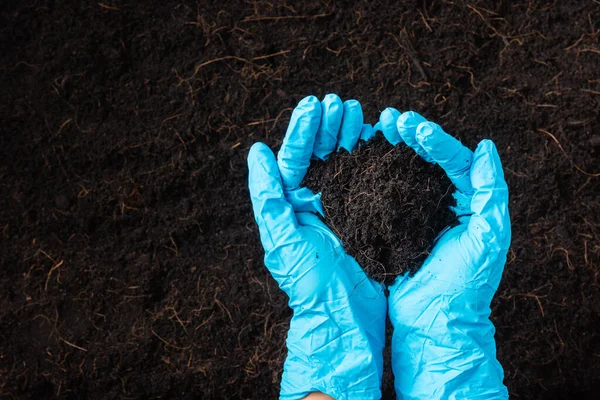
{"type": "Point", "coordinates": [131, 264]}
{"type": "Point", "coordinates": [385, 203]}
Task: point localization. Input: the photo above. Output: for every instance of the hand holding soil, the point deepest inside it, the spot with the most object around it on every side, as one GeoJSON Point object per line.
{"type": "Point", "coordinates": [443, 342]}
{"type": "Point", "coordinates": [442, 313]}
{"type": "Point", "coordinates": [339, 313]}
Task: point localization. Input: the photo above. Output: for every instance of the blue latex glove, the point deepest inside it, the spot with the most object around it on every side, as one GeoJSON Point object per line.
{"type": "Point", "coordinates": [336, 335]}
{"type": "Point", "coordinates": [443, 344]}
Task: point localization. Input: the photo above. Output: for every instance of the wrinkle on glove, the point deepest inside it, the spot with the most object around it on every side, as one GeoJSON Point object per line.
{"type": "Point", "coordinates": [304, 200]}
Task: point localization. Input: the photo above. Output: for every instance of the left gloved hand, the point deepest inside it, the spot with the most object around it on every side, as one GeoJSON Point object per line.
{"type": "Point", "coordinates": [443, 345]}
{"type": "Point", "coordinates": [336, 335]}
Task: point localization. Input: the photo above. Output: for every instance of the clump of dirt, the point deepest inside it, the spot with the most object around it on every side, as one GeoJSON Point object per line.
{"type": "Point", "coordinates": [385, 203]}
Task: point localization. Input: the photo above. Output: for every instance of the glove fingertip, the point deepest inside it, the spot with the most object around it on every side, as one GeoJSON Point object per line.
{"type": "Point", "coordinates": [490, 200]}
{"type": "Point", "coordinates": [263, 172]}
{"type": "Point", "coordinates": [297, 147]}
{"type": "Point", "coordinates": [409, 119]}
{"type": "Point", "coordinates": [309, 102]}
{"type": "Point", "coordinates": [486, 168]}
{"type": "Point", "coordinates": [352, 123]}
{"type": "Point", "coordinates": [367, 132]}
{"type": "Point", "coordinates": [331, 119]}
{"type": "Point", "coordinates": [259, 153]}
{"type": "Point", "coordinates": [332, 98]}
{"type": "Point", "coordinates": [425, 134]}
{"type": "Point", "coordinates": [387, 122]}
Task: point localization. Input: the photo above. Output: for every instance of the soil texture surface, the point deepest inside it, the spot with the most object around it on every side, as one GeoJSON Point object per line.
{"type": "Point", "coordinates": [131, 263]}
{"type": "Point", "coordinates": [385, 203]}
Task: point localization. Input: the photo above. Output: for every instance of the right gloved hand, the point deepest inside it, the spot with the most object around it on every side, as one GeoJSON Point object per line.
{"type": "Point", "coordinates": [443, 343]}
{"type": "Point", "coordinates": [337, 333]}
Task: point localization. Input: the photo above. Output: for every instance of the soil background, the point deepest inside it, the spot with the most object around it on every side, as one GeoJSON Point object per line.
{"type": "Point", "coordinates": [131, 265]}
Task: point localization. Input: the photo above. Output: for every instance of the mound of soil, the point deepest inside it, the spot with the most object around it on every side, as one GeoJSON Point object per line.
{"type": "Point", "coordinates": [385, 203]}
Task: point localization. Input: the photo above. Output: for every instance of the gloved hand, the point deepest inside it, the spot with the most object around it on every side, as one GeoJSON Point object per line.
{"type": "Point", "coordinates": [443, 344]}
{"type": "Point", "coordinates": [336, 335]}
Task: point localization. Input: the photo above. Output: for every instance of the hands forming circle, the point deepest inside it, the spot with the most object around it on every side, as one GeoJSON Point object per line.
{"type": "Point", "coordinates": [443, 339]}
